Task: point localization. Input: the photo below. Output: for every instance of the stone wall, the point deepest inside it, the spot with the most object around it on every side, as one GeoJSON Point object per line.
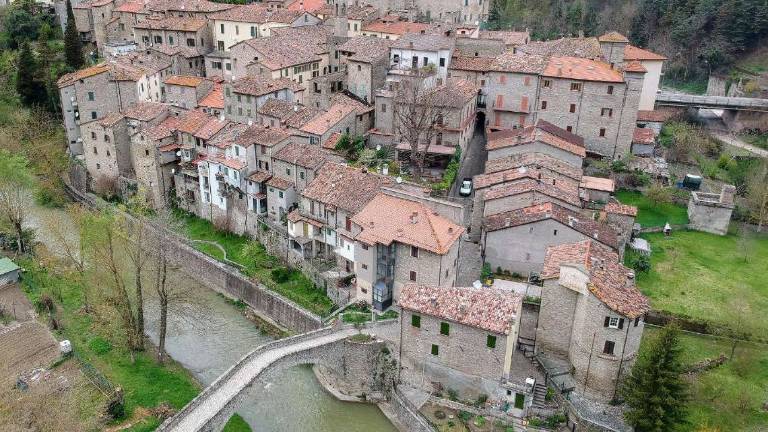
{"type": "Point", "coordinates": [711, 212]}
{"type": "Point", "coordinates": [408, 413]}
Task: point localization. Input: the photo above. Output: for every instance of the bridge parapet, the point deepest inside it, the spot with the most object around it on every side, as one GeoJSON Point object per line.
{"type": "Point", "coordinates": [717, 102]}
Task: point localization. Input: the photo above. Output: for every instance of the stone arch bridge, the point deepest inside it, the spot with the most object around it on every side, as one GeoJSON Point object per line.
{"type": "Point", "coordinates": [354, 362]}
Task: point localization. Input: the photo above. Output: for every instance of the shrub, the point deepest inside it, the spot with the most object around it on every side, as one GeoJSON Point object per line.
{"type": "Point", "coordinates": [481, 399]}
{"type": "Point", "coordinates": [486, 272]}
{"type": "Point", "coordinates": [658, 194]}
{"type": "Point", "coordinates": [640, 263]}
{"type": "Point", "coordinates": [281, 274]}
{"type": "Point", "coordinates": [618, 166]}
{"type": "Point", "coordinates": [550, 394]}
{"type": "Point", "coordinates": [440, 414]}
{"type": "Point", "coordinates": [637, 179]}
{"type": "Point", "coordinates": [554, 420]}
{"type": "Point", "coordinates": [465, 416]}
{"type": "Point", "coordinates": [452, 394]}
{"type": "Point", "coordinates": [479, 421]}
{"type": "Point", "coordinates": [100, 345]}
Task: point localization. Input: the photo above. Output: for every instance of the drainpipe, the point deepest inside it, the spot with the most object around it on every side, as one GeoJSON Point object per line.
{"type": "Point", "coordinates": [621, 362]}
{"type": "Point", "coordinates": [589, 363]}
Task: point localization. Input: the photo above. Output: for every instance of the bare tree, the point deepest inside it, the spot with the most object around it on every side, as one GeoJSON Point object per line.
{"type": "Point", "coordinates": [757, 194]}
{"type": "Point", "coordinates": [418, 115]}
{"type": "Point", "coordinates": [72, 247]}
{"type": "Point", "coordinates": [16, 183]}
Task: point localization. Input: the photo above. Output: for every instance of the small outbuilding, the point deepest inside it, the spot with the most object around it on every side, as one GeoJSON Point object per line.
{"type": "Point", "coordinates": [9, 271]}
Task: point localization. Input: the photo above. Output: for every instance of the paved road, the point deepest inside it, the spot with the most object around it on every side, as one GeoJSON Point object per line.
{"type": "Point", "coordinates": [474, 160]}
{"type": "Point", "coordinates": [715, 126]}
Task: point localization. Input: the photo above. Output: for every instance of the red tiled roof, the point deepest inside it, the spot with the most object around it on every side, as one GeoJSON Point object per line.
{"type": "Point", "coordinates": [279, 183]}
{"type": "Point", "coordinates": [214, 98]}
{"type": "Point", "coordinates": [490, 309]}
{"type": "Point", "coordinates": [184, 80]}
{"type": "Point", "coordinates": [542, 131]}
{"type": "Point", "coordinates": [608, 279]}
{"type": "Point", "coordinates": [634, 66]}
{"type": "Point", "coordinates": [509, 37]}
{"type": "Point", "coordinates": [534, 172]}
{"type": "Point", "coordinates": [476, 64]}
{"type": "Point", "coordinates": [185, 24]}
{"type": "Point", "coordinates": [306, 5]}
{"type": "Point", "coordinates": [303, 155]}
{"type": "Point", "coordinates": [163, 129]}
{"type": "Point", "coordinates": [619, 208]}
{"type": "Point", "coordinates": [632, 52]}
{"type": "Point", "coordinates": [396, 27]}
{"type": "Point", "coordinates": [256, 13]}
{"type": "Point", "coordinates": [322, 123]}
{"type": "Point", "coordinates": [258, 86]}
{"type": "Point", "coordinates": [540, 212]}
{"type": "Point", "coordinates": [520, 63]}
{"type": "Point", "coordinates": [235, 164]}
{"type": "Point", "coordinates": [261, 135]}
{"type": "Point", "coordinates": [333, 139]}
{"type": "Point", "coordinates": [130, 7]}
{"type": "Point", "coordinates": [345, 187]}
{"type": "Point", "coordinates": [260, 176]}
{"type": "Point", "coordinates": [528, 185]}
{"type": "Point", "coordinates": [366, 49]}
{"type": "Point", "coordinates": [654, 115]}
{"type": "Point", "coordinates": [597, 183]}
{"type": "Point", "coordinates": [386, 219]}
{"type": "Point", "coordinates": [211, 128]}
{"type": "Point", "coordinates": [70, 78]}
{"type": "Point", "coordinates": [291, 46]}
{"type": "Point", "coordinates": [643, 136]}
{"type": "Point", "coordinates": [145, 111]}
{"type": "Point", "coordinates": [581, 69]}
{"type": "Point", "coordinates": [533, 160]}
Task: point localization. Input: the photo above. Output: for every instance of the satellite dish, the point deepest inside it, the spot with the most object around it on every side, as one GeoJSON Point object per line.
{"type": "Point", "coordinates": [477, 284]}
{"type": "Point", "coordinates": [522, 170]}
{"type": "Point", "coordinates": [399, 179]}
{"type": "Point", "coordinates": [221, 117]}
{"type": "Point", "coordinates": [250, 122]}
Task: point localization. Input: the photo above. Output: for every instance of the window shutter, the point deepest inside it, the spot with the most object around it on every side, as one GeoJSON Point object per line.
{"type": "Point", "coordinates": [607, 321]}
{"type": "Point", "coordinates": [621, 323]}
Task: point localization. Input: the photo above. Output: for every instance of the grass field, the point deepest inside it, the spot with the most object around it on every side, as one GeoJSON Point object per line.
{"type": "Point", "coordinates": [705, 276]}
{"type": "Point", "coordinates": [145, 383]}
{"type": "Point", "coordinates": [650, 214]}
{"type": "Point", "coordinates": [296, 286]}
{"type": "Point", "coordinates": [729, 397]}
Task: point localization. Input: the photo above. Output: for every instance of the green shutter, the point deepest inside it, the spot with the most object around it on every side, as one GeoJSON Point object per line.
{"type": "Point", "coordinates": [435, 349]}
{"type": "Point", "coordinates": [519, 400]}
{"type": "Point", "coordinates": [416, 320]}
{"type": "Point", "coordinates": [445, 329]}
{"type": "Point", "coordinates": [491, 341]}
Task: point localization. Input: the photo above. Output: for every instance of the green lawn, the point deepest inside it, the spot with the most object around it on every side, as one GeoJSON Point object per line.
{"type": "Point", "coordinates": [705, 276]}
{"type": "Point", "coordinates": [650, 214]}
{"type": "Point", "coordinates": [727, 398]}
{"type": "Point", "coordinates": [758, 140]}
{"type": "Point", "coordinates": [258, 264]}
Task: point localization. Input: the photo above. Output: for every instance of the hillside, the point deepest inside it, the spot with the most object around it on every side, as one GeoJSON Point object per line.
{"type": "Point", "coordinates": [698, 36]}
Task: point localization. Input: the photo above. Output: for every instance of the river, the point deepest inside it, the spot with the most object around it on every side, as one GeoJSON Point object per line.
{"type": "Point", "coordinates": [207, 335]}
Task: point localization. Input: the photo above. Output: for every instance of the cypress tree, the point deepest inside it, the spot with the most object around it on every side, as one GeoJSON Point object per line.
{"type": "Point", "coordinates": [655, 390]}
{"type": "Point", "coordinates": [73, 46]}
{"type": "Point", "coordinates": [31, 91]}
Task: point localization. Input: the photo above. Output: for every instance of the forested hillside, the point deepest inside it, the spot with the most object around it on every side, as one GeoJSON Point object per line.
{"type": "Point", "coordinates": [696, 35]}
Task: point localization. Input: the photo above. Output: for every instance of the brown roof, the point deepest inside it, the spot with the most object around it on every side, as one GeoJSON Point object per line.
{"type": "Point", "coordinates": [613, 36]}
{"type": "Point", "coordinates": [279, 183]}
{"type": "Point", "coordinates": [529, 171]}
{"type": "Point", "coordinates": [257, 86]}
{"type": "Point", "coordinates": [534, 160]}
{"type": "Point", "coordinates": [475, 64]}
{"type": "Point", "coordinates": [256, 13]}
{"type": "Point", "coordinates": [542, 131]}
{"type": "Point", "coordinates": [130, 7]}
{"type": "Point", "coordinates": [608, 279]}
{"type": "Point", "coordinates": [643, 136]}
{"type": "Point", "coordinates": [385, 25]}
{"type": "Point", "coordinates": [424, 42]}
{"type": "Point", "coordinates": [225, 137]}
{"type": "Point", "coordinates": [455, 93]}
{"type": "Point", "coordinates": [386, 219]}
{"type": "Point", "coordinates": [193, 120]}
{"type": "Point", "coordinates": [536, 213]}
{"type": "Point", "coordinates": [362, 13]}
{"type": "Point", "coordinates": [211, 127]}
{"type": "Point", "coordinates": [303, 155]}
{"type": "Point", "coordinates": [214, 98]}
{"type": "Point", "coordinates": [188, 6]}
{"type": "Point", "coordinates": [634, 66]}
{"type": "Point", "coordinates": [619, 208]}
{"type": "Point", "coordinates": [110, 119]}
{"type": "Point", "coordinates": [520, 63]}
{"type": "Point", "coordinates": [164, 129]}
{"type": "Point", "coordinates": [302, 116]}
{"type": "Point", "coordinates": [184, 80]}
{"type": "Point", "coordinates": [278, 108]}
{"type": "Point", "coordinates": [632, 52]}
{"type": "Point", "coordinates": [260, 176]}
{"type": "Point", "coordinates": [291, 46]}
{"type": "Point", "coordinates": [568, 47]}
{"type": "Point", "coordinates": [320, 124]}
{"type": "Point", "coordinates": [557, 191]}
{"type": "Point", "coordinates": [345, 187]}
{"type": "Point", "coordinates": [261, 135]}
{"type": "Point", "coordinates": [597, 183]}
{"type": "Point", "coordinates": [654, 115]}
{"type": "Point", "coordinates": [348, 98]}
{"type": "Point", "coordinates": [581, 69]}
{"type": "Point", "coordinates": [366, 49]}
{"type": "Point", "coordinates": [307, 5]}
{"type": "Point", "coordinates": [235, 164]}
{"type": "Point", "coordinates": [333, 139]}
{"type": "Point", "coordinates": [186, 24]}
{"type": "Point", "coordinates": [70, 78]}
{"type": "Point", "coordinates": [145, 111]}
{"type": "Point", "coordinates": [509, 37]}
{"type": "Point", "coordinates": [490, 309]}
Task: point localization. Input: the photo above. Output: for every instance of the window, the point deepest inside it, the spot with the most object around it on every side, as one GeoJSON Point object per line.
{"type": "Point", "coordinates": [396, 58]}
{"type": "Point", "coordinates": [610, 89]}
{"type": "Point", "coordinates": [442, 62]}
{"type": "Point", "coordinates": [569, 128]}
{"type": "Point", "coordinates": [383, 108]}
{"type": "Point", "coordinates": [146, 153]}
{"type": "Point", "coordinates": [614, 322]}
{"type": "Point", "coordinates": [95, 151]}
{"type": "Point", "coordinates": [425, 61]}
{"type": "Point", "coordinates": [365, 246]}
{"type": "Point", "coordinates": [98, 166]}
{"type": "Point", "coordinates": [527, 81]}
{"type": "Point", "coordinates": [445, 329]}
{"type": "Point", "coordinates": [364, 266]}
{"type": "Point", "coordinates": [519, 400]}
{"type": "Point", "coordinates": [93, 115]}
{"type": "Point", "coordinates": [602, 132]}
{"type": "Point", "coordinates": [158, 39]}
{"type": "Point", "coordinates": [416, 321]}
{"type": "Point", "coordinates": [301, 175]}
{"type": "Point", "coordinates": [348, 224]}
{"type": "Point", "coordinates": [91, 96]}
{"type": "Point", "coordinates": [221, 28]}
{"type": "Point", "coordinates": [414, 251]}
{"type": "Point", "coordinates": [412, 276]}
{"type": "Point", "coordinates": [170, 40]}
{"type": "Point", "coordinates": [490, 341]}
{"type": "Point", "coordinates": [606, 112]}
{"type": "Point", "coordinates": [572, 108]}
{"type": "Point", "coordinates": [435, 350]}
{"type": "Point", "coordinates": [280, 194]}
{"type": "Point", "coordinates": [547, 84]}
{"type": "Point", "coordinates": [287, 171]}
{"type": "Point", "coordinates": [575, 86]}
{"type": "Point", "coordinates": [93, 135]}
{"type": "Point", "coordinates": [543, 105]}
{"type": "Point", "coordinates": [637, 321]}
{"type": "Point", "coordinates": [253, 31]}
{"type": "Point", "coordinates": [608, 348]}
{"type": "Point", "coordinates": [555, 232]}
{"type": "Point", "coordinates": [191, 43]}
{"type": "Point", "coordinates": [237, 30]}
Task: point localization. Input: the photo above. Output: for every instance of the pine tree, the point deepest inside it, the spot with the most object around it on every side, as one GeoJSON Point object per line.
{"type": "Point", "coordinates": [73, 46]}
{"type": "Point", "coordinates": [655, 390]}
{"type": "Point", "coordinates": [31, 91]}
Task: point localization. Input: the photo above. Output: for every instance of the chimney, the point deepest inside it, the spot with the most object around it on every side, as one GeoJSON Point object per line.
{"type": "Point", "coordinates": [414, 217]}
{"type": "Point", "coordinates": [630, 279]}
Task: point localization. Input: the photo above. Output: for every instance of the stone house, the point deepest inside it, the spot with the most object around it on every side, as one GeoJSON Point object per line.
{"type": "Point", "coordinates": [185, 8]}
{"type": "Point", "coordinates": [339, 118]}
{"type": "Point", "coordinates": [653, 64]}
{"type": "Point", "coordinates": [711, 212]}
{"type": "Point", "coordinates": [153, 156]}
{"type": "Point", "coordinates": [392, 27]}
{"type": "Point", "coordinates": [511, 39]}
{"type": "Point", "coordinates": [416, 51]}
{"type": "Point", "coordinates": [517, 240]}
{"type": "Point", "coordinates": [186, 91]}
{"type": "Point", "coordinates": [322, 224]}
{"type": "Point", "coordinates": [244, 96]}
{"type": "Point", "coordinates": [596, 189]}
{"type": "Point", "coordinates": [399, 241]}
{"type": "Point", "coordinates": [643, 141]}
{"type": "Point", "coordinates": [527, 192]}
{"type": "Point", "coordinates": [190, 33]}
{"type": "Point", "coordinates": [119, 29]}
{"type": "Point", "coordinates": [591, 317]}
{"type": "Point", "coordinates": [213, 102]}
{"type": "Point", "coordinates": [367, 60]}
{"type": "Point", "coordinates": [253, 20]}
{"type": "Point", "coordinates": [91, 18]}
{"type": "Point", "coordinates": [463, 339]}
{"type": "Point", "coordinates": [299, 163]}
{"type": "Point", "coordinates": [358, 16]}
{"type": "Point", "coordinates": [106, 152]}
{"type": "Point", "coordinates": [542, 137]}
{"type": "Point", "coordinates": [282, 113]}
{"type": "Point", "coordinates": [621, 218]}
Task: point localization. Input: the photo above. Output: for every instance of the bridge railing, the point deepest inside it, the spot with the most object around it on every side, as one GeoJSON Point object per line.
{"type": "Point", "coordinates": [195, 403]}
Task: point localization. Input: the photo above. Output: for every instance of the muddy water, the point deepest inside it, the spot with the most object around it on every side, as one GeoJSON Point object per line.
{"type": "Point", "coordinates": [207, 336]}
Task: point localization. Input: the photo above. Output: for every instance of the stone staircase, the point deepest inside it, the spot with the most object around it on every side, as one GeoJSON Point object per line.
{"type": "Point", "coordinates": [540, 396]}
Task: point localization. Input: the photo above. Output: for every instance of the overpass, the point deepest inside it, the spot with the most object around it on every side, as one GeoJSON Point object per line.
{"type": "Point", "coordinates": [665, 98]}
{"type": "Point", "coordinates": [329, 347]}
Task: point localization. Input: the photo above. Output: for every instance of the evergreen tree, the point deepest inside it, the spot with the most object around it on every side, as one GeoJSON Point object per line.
{"type": "Point", "coordinates": [655, 391]}
{"type": "Point", "coordinates": [73, 46]}
{"type": "Point", "coordinates": [31, 91]}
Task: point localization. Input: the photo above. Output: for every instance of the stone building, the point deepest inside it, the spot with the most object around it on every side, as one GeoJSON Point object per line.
{"type": "Point", "coordinates": [244, 96]}
{"type": "Point", "coordinates": [339, 118]}
{"type": "Point", "coordinates": [367, 60]}
{"type": "Point", "coordinates": [190, 33]}
{"type": "Point", "coordinates": [418, 51]}
{"type": "Point", "coordinates": [186, 91]}
{"type": "Point", "coordinates": [542, 137]}
{"type": "Point", "coordinates": [463, 339]}
{"type": "Point", "coordinates": [282, 113]}
{"type": "Point", "coordinates": [591, 317]}
{"type": "Point", "coordinates": [392, 27]}
{"type": "Point", "coordinates": [253, 21]}
{"type": "Point", "coordinates": [358, 16]}
{"type": "Point", "coordinates": [711, 212]}
{"type": "Point", "coordinates": [106, 152]}
{"type": "Point", "coordinates": [91, 18]}
{"type": "Point", "coordinates": [119, 29]}
{"type": "Point", "coordinates": [299, 163]}
{"type": "Point", "coordinates": [517, 240]}
{"type": "Point", "coordinates": [153, 155]}
{"type": "Point", "coordinates": [621, 218]}
{"type": "Point", "coordinates": [399, 241]}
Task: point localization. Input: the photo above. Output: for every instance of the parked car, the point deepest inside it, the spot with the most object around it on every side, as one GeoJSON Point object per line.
{"type": "Point", "coordinates": [466, 187]}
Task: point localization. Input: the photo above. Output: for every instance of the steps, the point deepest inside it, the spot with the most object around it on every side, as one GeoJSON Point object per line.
{"type": "Point", "coordinates": [539, 395]}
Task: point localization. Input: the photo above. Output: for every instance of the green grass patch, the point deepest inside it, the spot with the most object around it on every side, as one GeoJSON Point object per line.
{"type": "Point", "coordinates": [144, 382]}
{"type": "Point", "coordinates": [389, 314]}
{"type": "Point", "coordinates": [237, 424]}
{"type": "Point", "coordinates": [729, 397]}
{"type": "Point", "coordinates": [721, 279]}
{"type": "Point", "coordinates": [256, 263]}
{"type": "Point", "coordinates": [650, 214]}
{"type": "Point", "coordinates": [690, 87]}
{"type": "Point", "coordinates": [757, 140]}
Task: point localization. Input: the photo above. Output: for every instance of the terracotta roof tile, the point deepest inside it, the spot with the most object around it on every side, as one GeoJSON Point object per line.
{"type": "Point", "coordinates": [632, 52]}
{"type": "Point", "coordinates": [235, 164]}
{"type": "Point", "coordinates": [581, 69]}
{"type": "Point", "coordinates": [644, 136]}
{"type": "Point", "coordinates": [519, 63]}
{"type": "Point", "coordinates": [634, 66]}
{"type": "Point", "coordinates": [185, 24]}
{"type": "Point", "coordinates": [70, 78]}
{"type": "Point", "coordinates": [145, 111]}
{"type": "Point", "coordinates": [259, 176]}
{"type": "Point", "coordinates": [470, 63]}
{"type": "Point", "coordinates": [424, 42]}
{"type": "Point", "coordinates": [531, 171]}
{"type": "Point", "coordinates": [362, 12]}
{"type": "Point", "coordinates": [184, 80]}
{"type": "Point", "coordinates": [262, 135]}
{"type": "Point", "coordinates": [536, 213]}
{"type": "Point", "coordinates": [289, 46]}
{"type": "Point", "coordinates": [257, 86]}
{"type": "Point", "coordinates": [366, 49]}
{"type": "Point", "coordinates": [513, 38]}
{"type": "Point", "coordinates": [543, 132]}
{"type": "Point", "coordinates": [227, 135]}
{"type": "Point", "coordinates": [608, 279]}
{"type": "Point", "coordinates": [597, 183]}
{"type": "Point", "coordinates": [387, 25]}
{"type": "Point", "coordinates": [386, 219]}
{"type": "Point", "coordinates": [279, 183]}
{"type": "Point", "coordinates": [345, 187]}
{"type": "Point", "coordinates": [333, 139]}
{"type": "Point", "coordinates": [490, 309]}
{"type": "Point", "coordinates": [256, 13]}
{"type": "Point", "coordinates": [303, 155]}
{"type": "Point", "coordinates": [164, 129]}
{"type": "Point", "coordinates": [619, 208]}
{"type": "Point", "coordinates": [533, 160]}
{"type": "Point", "coordinates": [654, 115]}
{"type": "Point", "coordinates": [567, 47]}
{"type": "Point", "coordinates": [214, 98]}
{"type": "Point", "coordinates": [320, 124]}
{"type": "Point", "coordinates": [130, 7]}
{"type": "Point", "coordinates": [188, 6]}
{"type": "Point", "coordinates": [613, 36]}
{"type": "Point", "coordinates": [110, 119]}
{"type": "Point", "coordinates": [557, 191]}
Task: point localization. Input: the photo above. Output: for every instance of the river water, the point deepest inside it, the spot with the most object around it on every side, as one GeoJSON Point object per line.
{"type": "Point", "coordinates": [207, 335]}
